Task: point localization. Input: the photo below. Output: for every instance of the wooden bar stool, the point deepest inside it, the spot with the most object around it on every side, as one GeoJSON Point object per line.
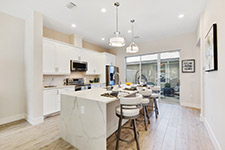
{"type": "Point", "coordinates": [129, 109]}
{"type": "Point", "coordinates": [146, 93]}
{"type": "Point", "coordinates": [155, 96]}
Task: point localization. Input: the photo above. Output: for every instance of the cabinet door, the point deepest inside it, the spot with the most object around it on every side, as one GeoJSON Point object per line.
{"type": "Point", "coordinates": [49, 101]}
{"type": "Point", "coordinates": [110, 60]}
{"type": "Point", "coordinates": [48, 57]}
{"type": "Point", "coordinates": [74, 54]}
{"type": "Point", "coordinates": [88, 57]}
{"type": "Point", "coordinates": [58, 97]}
{"type": "Point", "coordinates": [98, 64]}
{"type": "Point", "coordinates": [62, 63]}
{"type": "Point", "coordinates": [113, 59]}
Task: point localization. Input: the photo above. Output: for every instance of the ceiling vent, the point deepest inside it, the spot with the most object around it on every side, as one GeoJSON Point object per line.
{"type": "Point", "coordinates": [71, 5]}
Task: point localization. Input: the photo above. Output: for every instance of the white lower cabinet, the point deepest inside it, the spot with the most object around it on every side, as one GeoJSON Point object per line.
{"type": "Point", "coordinates": [51, 98]}
{"type": "Point", "coordinates": [49, 101]}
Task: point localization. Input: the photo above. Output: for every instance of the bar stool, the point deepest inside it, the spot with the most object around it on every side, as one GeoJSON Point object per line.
{"type": "Point", "coordinates": [146, 93]}
{"type": "Point", "coordinates": [155, 96]}
{"type": "Point", "coordinates": [129, 109]}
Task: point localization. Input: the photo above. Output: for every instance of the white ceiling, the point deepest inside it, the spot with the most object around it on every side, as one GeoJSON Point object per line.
{"type": "Point", "coordinates": [154, 18]}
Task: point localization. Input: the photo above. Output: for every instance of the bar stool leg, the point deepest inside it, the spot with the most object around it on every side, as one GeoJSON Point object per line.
{"type": "Point", "coordinates": [145, 119]}
{"type": "Point", "coordinates": [118, 133]}
{"type": "Point", "coordinates": [147, 114]}
{"type": "Point", "coordinates": [156, 108]}
{"type": "Point", "coordinates": [135, 134]}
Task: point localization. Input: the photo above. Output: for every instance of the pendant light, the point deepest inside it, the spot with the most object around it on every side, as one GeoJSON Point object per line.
{"type": "Point", "coordinates": [132, 48]}
{"type": "Point", "coordinates": [117, 41]}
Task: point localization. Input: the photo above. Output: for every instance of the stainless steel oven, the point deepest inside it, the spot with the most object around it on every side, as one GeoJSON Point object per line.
{"type": "Point", "coordinates": [79, 83]}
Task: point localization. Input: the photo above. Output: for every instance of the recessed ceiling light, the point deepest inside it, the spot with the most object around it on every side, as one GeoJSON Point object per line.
{"type": "Point", "coordinates": [103, 10]}
{"type": "Point", "coordinates": [73, 25]}
{"type": "Point", "coordinates": [129, 31]}
{"type": "Point", "coordinates": [181, 16]}
{"type": "Point", "coordinates": [103, 39]}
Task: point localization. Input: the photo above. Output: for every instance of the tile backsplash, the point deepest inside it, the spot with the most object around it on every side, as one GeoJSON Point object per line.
{"type": "Point", "coordinates": [59, 79]}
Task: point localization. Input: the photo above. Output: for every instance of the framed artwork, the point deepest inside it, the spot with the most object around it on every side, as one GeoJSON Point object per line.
{"type": "Point", "coordinates": [188, 66]}
{"type": "Point", "coordinates": [211, 62]}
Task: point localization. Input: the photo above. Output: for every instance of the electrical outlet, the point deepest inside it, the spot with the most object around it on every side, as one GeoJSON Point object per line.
{"type": "Point", "coordinates": [82, 109]}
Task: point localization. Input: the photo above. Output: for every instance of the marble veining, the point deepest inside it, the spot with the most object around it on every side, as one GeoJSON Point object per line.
{"type": "Point", "coordinates": [84, 130]}
{"type": "Point", "coordinates": [87, 118]}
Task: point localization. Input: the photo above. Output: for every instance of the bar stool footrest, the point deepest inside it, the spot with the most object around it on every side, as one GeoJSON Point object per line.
{"type": "Point", "coordinates": [127, 141]}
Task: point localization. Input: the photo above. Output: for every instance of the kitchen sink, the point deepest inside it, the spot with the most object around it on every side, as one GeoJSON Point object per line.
{"type": "Point", "coordinates": [49, 86]}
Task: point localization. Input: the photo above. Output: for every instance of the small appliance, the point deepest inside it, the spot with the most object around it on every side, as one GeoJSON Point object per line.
{"type": "Point", "coordinates": [78, 65]}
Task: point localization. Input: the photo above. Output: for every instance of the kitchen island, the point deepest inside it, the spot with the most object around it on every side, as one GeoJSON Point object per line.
{"type": "Point", "coordinates": [87, 118]}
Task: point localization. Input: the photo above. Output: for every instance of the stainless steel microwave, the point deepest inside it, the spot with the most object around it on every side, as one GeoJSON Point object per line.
{"type": "Point", "coordinates": [78, 65]}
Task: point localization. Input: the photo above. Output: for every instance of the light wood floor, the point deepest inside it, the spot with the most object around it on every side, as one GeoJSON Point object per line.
{"type": "Point", "coordinates": [177, 128]}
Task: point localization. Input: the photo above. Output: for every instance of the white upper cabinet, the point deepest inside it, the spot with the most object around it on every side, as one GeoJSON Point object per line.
{"type": "Point", "coordinates": [55, 58]}
{"type": "Point", "coordinates": [48, 57]}
{"type": "Point", "coordinates": [74, 54]}
{"type": "Point", "coordinates": [62, 60]}
{"type": "Point", "coordinates": [94, 60]}
{"type": "Point", "coordinates": [110, 59]}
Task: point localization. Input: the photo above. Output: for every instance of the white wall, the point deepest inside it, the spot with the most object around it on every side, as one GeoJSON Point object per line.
{"type": "Point", "coordinates": [12, 93]}
{"type": "Point", "coordinates": [214, 102]}
{"type": "Point", "coordinates": [190, 82]}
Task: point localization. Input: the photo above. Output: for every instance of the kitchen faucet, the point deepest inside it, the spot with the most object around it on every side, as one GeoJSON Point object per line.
{"type": "Point", "coordinates": [116, 73]}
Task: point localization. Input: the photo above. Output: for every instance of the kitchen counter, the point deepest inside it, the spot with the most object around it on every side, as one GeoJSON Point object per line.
{"type": "Point", "coordinates": [58, 87]}
{"type": "Point", "coordinates": [92, 95]}
{"type": "Point", "coordinates": [87, 118]}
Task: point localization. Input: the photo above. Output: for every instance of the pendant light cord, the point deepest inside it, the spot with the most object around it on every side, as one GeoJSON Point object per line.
{"type": "Point", "coordinates": [132, 29]}
{"type": "Point", "coordinates": [117, 4]}
{"type": "Point", "coordinates": [117, 19]}
{"type": "Point", "coordinates": [132, 32]}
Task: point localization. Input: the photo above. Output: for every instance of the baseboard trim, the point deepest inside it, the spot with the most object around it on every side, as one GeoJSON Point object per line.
{"type": "Point", "coordinates": [34, 121]}
{"type": "Point", "coordinates": [211, 134]}
{"type": "Point", "coordinates": [11, 119]}
{"type": "Point", "coordinates": [190, 105]}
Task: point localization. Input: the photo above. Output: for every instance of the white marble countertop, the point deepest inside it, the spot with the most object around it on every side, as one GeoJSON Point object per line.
{"type": "Point", "coordinates": [95, 95]}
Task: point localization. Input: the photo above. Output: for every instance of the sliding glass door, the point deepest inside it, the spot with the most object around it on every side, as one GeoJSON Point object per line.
{"type": "Point", "coordinates": [169, 76]}
{"type": "Point", "coordinates": [156, 69]}
{"type": "Point", "coordinates": [133, 69]}
{"type": "Point", "coordinates": [149, 72]}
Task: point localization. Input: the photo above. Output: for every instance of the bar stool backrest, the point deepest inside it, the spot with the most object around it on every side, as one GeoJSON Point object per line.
{"type": "Point", "coordinates": [141, 88]}
{"type": "Point", "coordinates": [146, 92]}
{"type": "Point", "coordinates": [156, 88]}
{"type": "Point", "coordinates": [131, 100]}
